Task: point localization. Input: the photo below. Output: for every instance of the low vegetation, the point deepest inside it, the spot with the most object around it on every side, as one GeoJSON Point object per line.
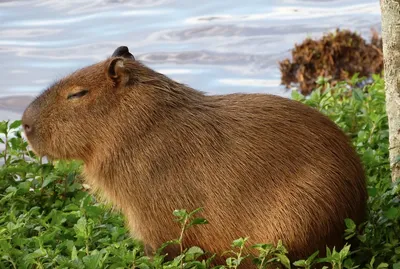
{"type": "Point", "coordinates": [48, 219]}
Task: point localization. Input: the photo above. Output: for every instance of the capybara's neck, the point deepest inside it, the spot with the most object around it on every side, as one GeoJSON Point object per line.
{"type": "Point", "coordinates": [150, 136]}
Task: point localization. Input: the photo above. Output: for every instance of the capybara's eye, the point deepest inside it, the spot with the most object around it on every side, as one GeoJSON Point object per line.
{"type": "Point", "coordinates": [77, 94]}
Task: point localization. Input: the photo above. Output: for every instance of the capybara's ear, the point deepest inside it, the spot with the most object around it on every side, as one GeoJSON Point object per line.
{"type": "Point", "coordinates": [116, 70]}
{"type": "Point", "coordinates": [123, 51]}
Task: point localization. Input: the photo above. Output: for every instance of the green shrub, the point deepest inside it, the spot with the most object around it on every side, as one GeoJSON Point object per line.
{"type": "Point", "coordinates": [48, 219]}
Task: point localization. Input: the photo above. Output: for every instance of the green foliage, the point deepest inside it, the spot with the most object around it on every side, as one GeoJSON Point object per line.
{"type": "Point", "coordinates": [361, 113]}
{"type": "Point", "coordinates": [49, 220]}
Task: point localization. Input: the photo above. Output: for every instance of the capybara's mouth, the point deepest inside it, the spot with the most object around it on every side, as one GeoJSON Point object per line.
{"type": "Point", "coordinates": [36, 147]}
{"type": "Point", "coordinates": [37, 150]}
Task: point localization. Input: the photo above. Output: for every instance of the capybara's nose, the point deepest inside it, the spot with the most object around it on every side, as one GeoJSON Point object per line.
{"type": "Point", "coordinates": [27, 128]}
{"type": "Point", "coordinates": [27, 122]}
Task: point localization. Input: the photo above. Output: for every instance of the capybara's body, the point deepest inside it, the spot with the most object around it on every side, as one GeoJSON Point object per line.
{"type": "Point", "coordinates": [261, 166]}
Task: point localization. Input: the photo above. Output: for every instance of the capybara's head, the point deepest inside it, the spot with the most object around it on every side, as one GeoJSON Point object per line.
{"type": "Point", "coordinates": [63, 121]}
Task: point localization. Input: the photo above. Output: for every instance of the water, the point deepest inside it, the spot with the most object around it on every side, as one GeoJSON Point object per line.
{"type": "Point", "coordinates": [214, 46]}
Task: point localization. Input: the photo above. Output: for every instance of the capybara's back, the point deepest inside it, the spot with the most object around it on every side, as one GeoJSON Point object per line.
{"type": "Point", "coordinates": [260, 165]}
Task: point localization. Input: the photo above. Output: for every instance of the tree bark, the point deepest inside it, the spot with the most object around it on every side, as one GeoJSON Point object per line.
{"type": "Point", "coordinates": [390, 19]}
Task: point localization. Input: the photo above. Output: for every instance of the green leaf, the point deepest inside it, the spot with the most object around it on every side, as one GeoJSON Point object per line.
{"type": "Point", "coordinates": [358, 94]}
{"type": "Point", "coordinates": [350, 224]}
{"type": "Point", "coordinates": [195, 211]}
{"type": "Point", "coordinates": [49, 237]}
{"type": "Point", "coordinates": [143, 266]}
{"type": "Point", "coordinates": [392, 213]}
{"type": "Point", "coordinates": [47, 168]}
{"type": "Point", "coordinates": [15, 143]}
{"type": "Point", "coordinates": [198, 221]}
{"type": "Point", "coordinates": [301, 263]}
{"type": "Point", "coordinates": [4, 127]}
{"type": "Point", "coordinates": [382, 265]}
{"type": "Point", "coordinates": [74, 253]}
{"type": "Point", "coordinates": [312, 257]}
{"type": "Point", "coordinates": [71, 207]}
{"type": "Point", "coordinates": [5, 246]}
{"type": "Point", "coordinates": [344, 252]}
{"type": "Point", "coordinates": [11, 189]}
{"type": "Point", "coordinates": [193, 253]}
{"type": "Point", "coordinates": [239, 242]}
{"type": "Point", "coordinates": [49, 179]}
{"type": "Point", "coordinates": [296, 95]}
{"type": "Point", "coordinates": [396, 265]}
{"type": "Point", "coordinates": [92, 261]}
{"type": "Point", "coordinates": [93, 211]}
{"type": "Point", "coordinates": [36, 254]}
{"type": "Point", "coordinates": [354, 79]}
{"type": "Point", "coordinates": [180, 213]}
{"type": "Point", "coordinates": [80, 227]}
{"type": "Point", "coordinates": [195, 250]}
{"type": "Point", "coordinates": [322, 80]}
{"type": "Point", "coordinates": [24, 187]}
{"type": "Point", "coordinates": [284, 260]}
{"type": "Point", "coordinates": [16, 124]}
{"type": "Point", "coordinates": [372, 191]}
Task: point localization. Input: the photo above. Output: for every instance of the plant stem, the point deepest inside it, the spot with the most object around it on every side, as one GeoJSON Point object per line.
{"type": "Point", "coordinates": [262, 262]}
{"type": "Point", "coordinates": [87, 247]}
{"type": "Point", "coordinates": [181, 237]}
{"type": "Point", "coordinates": [13, 264]}
{"type": "Point", "coordinates": [5, 149]}
{"type": "Point", "coordinates": [65, 186]}
{"type": "Point", "coordinates": [238, 257]}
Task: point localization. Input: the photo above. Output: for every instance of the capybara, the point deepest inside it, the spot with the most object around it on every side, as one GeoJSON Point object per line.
{"type": "Point", "coordinates": [259, 165]}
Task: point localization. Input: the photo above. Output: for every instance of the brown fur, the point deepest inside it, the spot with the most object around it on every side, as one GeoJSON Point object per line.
{"type": "Point", "coordinates": [262, 166]}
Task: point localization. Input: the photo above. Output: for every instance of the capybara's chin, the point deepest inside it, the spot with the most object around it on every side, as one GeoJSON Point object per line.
{"type": "Point", "coordinates": [260, 165]}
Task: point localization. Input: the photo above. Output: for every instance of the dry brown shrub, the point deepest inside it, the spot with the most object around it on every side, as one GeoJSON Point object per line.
{"type": "Point", "coordinates": [337, 55]}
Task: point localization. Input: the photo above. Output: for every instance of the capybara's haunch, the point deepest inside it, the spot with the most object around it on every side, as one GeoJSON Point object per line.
{"type": "Point", "coordinates": [260, 165]}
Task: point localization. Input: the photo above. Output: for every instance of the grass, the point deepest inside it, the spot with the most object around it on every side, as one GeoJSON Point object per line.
{"type": "Point", "coordinates": [49, 220]}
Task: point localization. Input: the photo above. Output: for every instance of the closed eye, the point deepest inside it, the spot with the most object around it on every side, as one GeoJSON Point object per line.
{"type": "Point", "coordinates": [77, 94]}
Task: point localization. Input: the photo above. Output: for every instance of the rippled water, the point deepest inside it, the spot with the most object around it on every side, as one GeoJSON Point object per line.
{"type": "Point", "coordinates": [214, 46]}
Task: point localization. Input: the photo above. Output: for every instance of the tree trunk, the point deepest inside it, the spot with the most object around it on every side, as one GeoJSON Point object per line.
{"type": "Point", "coordinates": [390, 18]}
